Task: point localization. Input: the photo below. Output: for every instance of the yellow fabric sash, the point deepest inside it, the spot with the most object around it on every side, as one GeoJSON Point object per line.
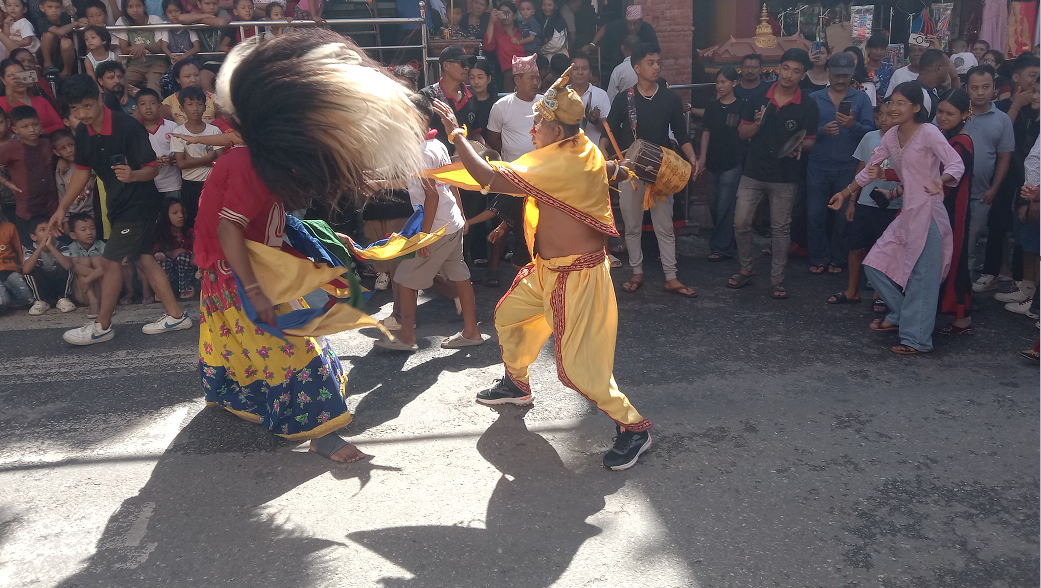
{"type": "Point", "coordinates": [570, 176]}
{"type": "Point", "coordinates": [398, 245]}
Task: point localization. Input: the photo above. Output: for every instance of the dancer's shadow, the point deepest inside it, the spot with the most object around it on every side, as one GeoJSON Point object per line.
{"type": "Point", "coordinates": [201, 519]}
{"type": "Point", "coordinates": [534, 526]}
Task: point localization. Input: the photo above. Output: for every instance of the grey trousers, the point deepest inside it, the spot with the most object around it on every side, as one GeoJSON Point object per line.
{"type": "Point", "coordinates": [631, 203]}
{"type": "Point", "coordinates": [749, 193]}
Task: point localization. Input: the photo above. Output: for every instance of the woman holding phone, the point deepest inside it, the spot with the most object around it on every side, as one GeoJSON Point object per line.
{"type": "Point", "coordinates": [504, 38]}
{"type": "Point", "coordinates": [816, 77]}
{"type": "Point", "coordinates": [17, 83]}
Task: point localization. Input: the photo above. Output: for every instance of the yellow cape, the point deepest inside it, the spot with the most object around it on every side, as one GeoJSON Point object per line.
{"type": "Point", "coordinates": [570, 176]}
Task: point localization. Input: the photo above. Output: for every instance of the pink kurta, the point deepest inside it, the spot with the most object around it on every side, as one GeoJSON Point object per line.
{"type": "Point", "coordinates": [922, 160]}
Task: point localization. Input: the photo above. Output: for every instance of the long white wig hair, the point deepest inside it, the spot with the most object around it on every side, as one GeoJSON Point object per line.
{"type": "Point", "coordinates": [318, 116]}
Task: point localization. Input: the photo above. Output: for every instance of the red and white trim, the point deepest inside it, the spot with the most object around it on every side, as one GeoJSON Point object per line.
{"type": "Point", "coordinates": [228, 214]}
{"type": "Point", "coordinates": [514, 178]}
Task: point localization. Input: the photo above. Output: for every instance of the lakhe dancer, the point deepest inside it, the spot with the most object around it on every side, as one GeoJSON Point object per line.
{"type": "Point", "coordinates": [566, 291]}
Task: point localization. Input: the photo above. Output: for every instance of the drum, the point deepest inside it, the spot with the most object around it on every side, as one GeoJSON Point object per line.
{"type": "Point", "coordinates": [663, 168]}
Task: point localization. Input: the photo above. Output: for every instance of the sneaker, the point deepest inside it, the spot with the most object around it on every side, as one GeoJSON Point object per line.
{"type": "Point", "coordinates": [89, 334]}
{"type": "Point", "coordinates": [504, 392]}
{"type": "Point", "coordinates": [382, 281]}
{"type": "Point", "coordinates": [985, 283]}
{"type": "Point", "coordinates": [628, 446]}
{"type": "Point", "coordinates": [391, 324]}
{"type": "Point", "coordinates": [65, 305]}
{"type": "Point", "coordinates": [1021, 307]}
{"type": "Point", "coordinates": [1020, 291]}
{"type": "Point", "coordinates": [167, 323]}
{"type": "Point", "coordinates": [39, 307]}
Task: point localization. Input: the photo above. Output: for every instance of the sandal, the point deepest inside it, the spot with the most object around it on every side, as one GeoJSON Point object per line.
{"type": "Point", "coordinates": [631, 286]}
{"type": "Point", "coordinates": [187, 294]}
{"type": "Point", "coordinates": [329, 444]}
{"type": "Point", "coordinates": [491, 279]}
{"type": "Point", "coordinates": [905, 350]}
{"type": "Point", "coordinates": [879, 306]}
{"type": "Point", "coordinates": [834, 269]}
{"type": "Point", "coordinates": [818, 269]}
{"type": "Point", "coordinates": [480, 262]}
{"type": "Point", "coordinates": [395, 345]}
{"type": "Point", "coordinates": [777, 292]}
{"type": "Point", "coordinates": [841, 298]}
{"type": "Point", "coordinates": [739, 280]}
{"type": "Point", "coordinates": [876, 325]}
{"type": "Point", "coordinates": [458, 341]}
{"type": "Point", "coordinates": [1030, 354]}
{"type": "Point", "coordinates": [953, 330]}
{"type": "Point", "coordinates": [719, 257]}
{"type": "Point", "coordinates": [685, 291]}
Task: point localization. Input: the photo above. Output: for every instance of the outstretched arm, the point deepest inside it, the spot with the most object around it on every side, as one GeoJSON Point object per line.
{"type": "Point", "coordinates": [480, 169]}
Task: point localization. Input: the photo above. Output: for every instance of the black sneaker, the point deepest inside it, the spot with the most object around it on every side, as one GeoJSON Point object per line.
{"type": "Point", "coordinates": [503, 392]}
{"type": "Point", "coordinates": [628, 446]}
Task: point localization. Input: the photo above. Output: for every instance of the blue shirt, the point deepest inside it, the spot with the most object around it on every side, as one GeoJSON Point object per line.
{"type": "Point", "coordinates": [838, 149]}
{"type": "Point", "coordinates": [991, 134]}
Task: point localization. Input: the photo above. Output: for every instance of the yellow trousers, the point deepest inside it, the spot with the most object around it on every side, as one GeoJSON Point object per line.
{"type": "Point", "coordinates": [571, 298]}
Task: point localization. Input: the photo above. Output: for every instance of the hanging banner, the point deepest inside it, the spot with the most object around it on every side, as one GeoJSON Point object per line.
{"type": "Point", "coordinates": [941, 17]}
{"type": "Point", "coordinates": [861, 18]}
{"type": "Point", "coordinates": [1022, 17]}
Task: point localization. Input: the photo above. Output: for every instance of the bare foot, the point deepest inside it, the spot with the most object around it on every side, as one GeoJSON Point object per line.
{"type": "Point", "coordinates": [347, 454]}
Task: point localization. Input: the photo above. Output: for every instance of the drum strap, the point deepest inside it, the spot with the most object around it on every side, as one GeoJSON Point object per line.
{"type": "Point", "coordinates": [632, 109]}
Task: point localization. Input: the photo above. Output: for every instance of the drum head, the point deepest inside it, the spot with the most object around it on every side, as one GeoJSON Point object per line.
{"type": "Point", "coordinates": [791, 144]}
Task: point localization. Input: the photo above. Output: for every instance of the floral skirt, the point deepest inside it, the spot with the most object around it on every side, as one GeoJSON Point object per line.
{"type": "Point", "coordinates": [294, 387]}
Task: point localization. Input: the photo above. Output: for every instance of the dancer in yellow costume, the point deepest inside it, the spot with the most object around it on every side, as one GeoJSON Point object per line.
{"type": "Point", "coordinates": [567, 290]}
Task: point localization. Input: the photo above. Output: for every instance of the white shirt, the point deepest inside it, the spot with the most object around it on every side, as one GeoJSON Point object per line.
{"type": "Point", "coordinates": [195, 174]}
{"type": "Point", "coordinates": [622, 78]}
{"type": "Point", "coordinates": [511, 117]}
{"type": "Point", "coordinates": [435, 155]}
{"type": "Point", "coordinates": [138, 35]}
{"type": "Point", "coordinates": [595, 98]}
{"type": "Point", "coordinates": [22, 29]}
{"type": "Point", "coordinates": [169, 178]}
{"type": "Point", "coordinates": [904, 74]}
{"type": "Point", "coordinates": [1033, 166]}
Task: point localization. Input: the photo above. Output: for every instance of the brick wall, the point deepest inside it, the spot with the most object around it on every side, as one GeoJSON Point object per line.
{"type": "Point", "coordinates": [672, 20]}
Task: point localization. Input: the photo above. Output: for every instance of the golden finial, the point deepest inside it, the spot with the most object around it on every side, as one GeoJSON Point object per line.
{"type": "Point", "coordinates": [764, 33]}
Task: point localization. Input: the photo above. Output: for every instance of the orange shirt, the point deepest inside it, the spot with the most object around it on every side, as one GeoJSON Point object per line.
{"type": "Point", "coordinates": [10, 248]}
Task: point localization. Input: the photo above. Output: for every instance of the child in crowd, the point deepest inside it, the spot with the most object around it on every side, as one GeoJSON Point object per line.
{"type": "Point", "coordinates": [56, 45]}
{"type": "Point", "coordinates": [178, 44]}
{"type": "Point", "coordinates": [160, 134]}
{"type": "Point", "coordinates": [195, 160]}
{"type": "Point", "coordinates": [99, 47]}
{"type": "Point", "coordinates": [454, 16]}
{"type": "Point", "coordinates": [274, 12]}
{"type": "Point", "coordinates": [64, 144]}
{"type": "Point", "coordinates": [86, 251]}
{"type": "Point", "coordinates": [97, 14]}
{"type": "Point", "coordinates": [530, 28]}
{"type": "Point", "coordinates": [13, 289]}
{"type": "Point", "coordinates": [235, 35]}
{"type": "Point", "coordinates": [209, 39]}
{"type": "Point", "coordinates": [441, 209]}
{"type": "Point", "coordinates": [145, 47]}
{"type": "Point", "coordinates": [47, 269]}
{"type": "Point", "coordinates": [7, 199]}
{"type": "Point", "coordinates": [31, 163]}
{"type": "Point", "coordinates": [17, 31]}
{"type": "Point", "coordinates": [173, 249]}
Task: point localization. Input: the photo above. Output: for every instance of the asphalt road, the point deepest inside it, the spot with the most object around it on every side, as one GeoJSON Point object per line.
{"type": "Point", "coordinates": [791, 449]}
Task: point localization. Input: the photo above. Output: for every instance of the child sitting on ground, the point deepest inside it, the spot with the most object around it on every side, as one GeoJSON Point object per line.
{"type": "Point", "coordinates": [195, 160]}
{"type": "Point", "coordinates": [14, 292]}
{"type": "Point", "coordinates": [173, 249]}
{"type": "Point", "coordinates": [47, 269]}
{"type": "Point", "coordinates": [99, 47]}
{"type": "Point", "coordinates": [86, 251]}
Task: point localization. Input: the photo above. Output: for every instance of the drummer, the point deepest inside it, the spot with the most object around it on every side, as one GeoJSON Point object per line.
{"type": "Point", "coordinates": [771, 118]}
{"type": "Point", "coordinates": [650, 109]}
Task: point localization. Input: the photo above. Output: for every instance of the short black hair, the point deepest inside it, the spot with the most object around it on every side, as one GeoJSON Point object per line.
{"type": "Point", "coordinates": [102, 34]}
{"type": "Point", "coordinates": [191, 93]}
{"type": "Point", "coordinates": [877, 40]}
{"type": "Point", "coordinates": [9, 62]}
{"type": "Point", "coordinates": [643, 50]}
{"type": "Point", "coordinates": [630, 42]}
{"type": "Point", "coordinates": [753, 57]}
{"type": "Point", "coordinates": [541, 62]}
{"type": "Point", "coordinates": [175, 71]}
{"type": "Point", "coordinates": [46, 1]}
{"type": "Point", "coordinates": [36, 221]}
{"type": "Point", "coordinates": [79, 217]}
{"type": "Point", "coordinates": [799, 56]}
{"type": "Point", "coordinates": [24, 3]}
{"type": "Point", "coordinates": [177, 3]}
{"type": "Point", "coordinates": [23, 112]}
{"type": "Point", "coordinates": [930, 58]}
{"type": "Point", "coordinates": [61, 134]}
{"type": "Point", "coordinates": [729, 73]}
{"type": "Point", "coordinates": [558, 63]}
{"type": "Point", "coordinates": [106, 66]}
{"type": "Point", "coordinates": [96, 4]}
{"type": "Point", "coordinates": [271, 8]}
{"type": "Point", "coordinates": [581, 56]}
{"type": "Point", "coordinates": [236, 4]}
{"type": "Point", "coordinates": [978, 41]}
{"type": "Point", "coordinates": [981, 70]}
{"type": "Point", "coordinates": [79, 87]}
{"type": "Point", "coordinates": [424, 106]}
{"type": "Point", "coordinates": [148, 92]}
{"type": "Point", "coordinates": [66, 111]}
{"type": "Point", "coordinates": [1024, 61]}
{"type": "Point", "coordinates": [507, 4]}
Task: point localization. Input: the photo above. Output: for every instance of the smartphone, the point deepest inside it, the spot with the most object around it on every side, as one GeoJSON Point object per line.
{"type": "Point", "coordinates": [119, 160]}
{"type": "Point", "coordinates": [880, 199]}
{"type": "Point", "coordinates": [845, 107]}
{"type": "Point", "coordinates": [816, 47]}
{"type": "Point", "coordinates": [27, 77]}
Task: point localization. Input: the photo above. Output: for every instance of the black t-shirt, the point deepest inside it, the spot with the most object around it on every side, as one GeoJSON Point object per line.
{"type": "Point", "coordinates": [120, 135]}
{"type": "Point", "coordinates": [725, 147]}
{"type": "Point", "coordinates": [1004, 105]}
{"type": "Point", "coordinates": [800, 113]}
{"type": "Point", "coordinates": [806, 85]}
{"type": "Point", "coordinates": [483, 108]}
{"type": "Point", "coordinates": [465, 112]}
{"type": "Point", "coordinates": [744, 94]}
{"type": "Point", "coordinates": [933, 99]}
{"type": "Point", "coordinates": [654, 117]}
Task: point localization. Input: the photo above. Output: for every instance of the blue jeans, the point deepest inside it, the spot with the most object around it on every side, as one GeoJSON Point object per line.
{"type": "Point", "coordinates": [722, 199]}
{"type": "Point", "coordinates": [821, 184]}
{"type": "Point", "coordinates": [14, 291]}
{"type": "Point", "coordinates": [914, 308]}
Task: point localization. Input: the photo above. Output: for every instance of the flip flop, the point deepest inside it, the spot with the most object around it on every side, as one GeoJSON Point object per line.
{"type": "Point", "coordinates": [777, 292]}
{"type": "Point", "coordinates": [840, 298]}
{"type": "Point", "coordinates": [879, 306]}
{"type": "Point", "coordinates": [834, 269]}
{"type": "Point", "coordinates": [458, 341]}
{"type": "Point", "coordinates": [1030, 354]}
{"type": "Point", "coordinates": [876, 325]}
{"type": "Point", "coordinates": [395, 345]}
{"type": "Point", "coordinates": [818, 269]}
{"type": "Point", "coordinates": [953, 330]}
{"type": "Point", "coordinates": [631, 286]}
{"type": "Point", "coordinates": [715, 257]}
{"type": "Point", "coordinates": [740, 280]}
{"type": "Point", "coordinates": [905, 350]}
{"type": "Point", "coordinates": [680, 291]}
{"type": "Point", "coordinates": [481, 262]}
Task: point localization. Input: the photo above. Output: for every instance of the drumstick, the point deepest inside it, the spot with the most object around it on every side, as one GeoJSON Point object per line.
{"type": "Point", "coordinates": [617, 149]}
